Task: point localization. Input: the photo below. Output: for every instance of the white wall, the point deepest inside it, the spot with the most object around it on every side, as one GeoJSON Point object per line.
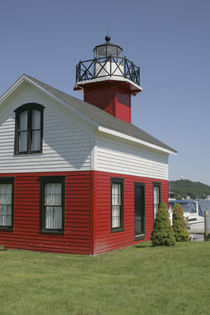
{"type": "Point", "coordinates": [67, 141]}
{"type": "Point", "coordinates": [70, 144]}
{"type": "Point", "coordinates": [122, 158]}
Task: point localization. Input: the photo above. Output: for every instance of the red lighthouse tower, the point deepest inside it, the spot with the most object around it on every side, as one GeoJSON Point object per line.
{"type": "Point", "coordinates": [108, 80]}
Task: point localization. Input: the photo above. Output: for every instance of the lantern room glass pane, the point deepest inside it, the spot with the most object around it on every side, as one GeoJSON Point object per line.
{"type": "Point", "coordinates": [101, 51]}
{"type": "Point", "coordinates": [108, 50]}
{"type": "Point", "coordinates": [111, 51]}
{"type": "Point", "coordinates": [119, 52]}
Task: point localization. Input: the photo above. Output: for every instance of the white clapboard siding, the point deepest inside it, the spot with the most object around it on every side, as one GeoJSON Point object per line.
{"type": "Point", "coordinates": [67, 141]}
{"type": "Point", "coordinates": [122, 158]}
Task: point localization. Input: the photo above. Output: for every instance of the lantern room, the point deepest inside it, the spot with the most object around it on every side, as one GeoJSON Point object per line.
{"type": "Point", "coordinates": [107, 49]}
{"type": "Point", "coordinates": [108, 60]}
{"type": "Point", "coordinates": [108, 80]}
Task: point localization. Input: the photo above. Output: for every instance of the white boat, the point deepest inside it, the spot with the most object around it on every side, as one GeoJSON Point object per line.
{"type": "Point", "coordinates": [192, 213]}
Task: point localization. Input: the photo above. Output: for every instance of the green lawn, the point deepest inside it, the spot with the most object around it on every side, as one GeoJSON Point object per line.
{"type": "Point", "coordinates": [137, 280]}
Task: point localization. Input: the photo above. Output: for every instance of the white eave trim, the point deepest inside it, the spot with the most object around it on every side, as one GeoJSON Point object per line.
{"type": "Point", "coordinates": [127, 137]}
{"type": "Point", "coordinates": [12, 88]}
{"type": "Point", "coordinates": [68, 106]}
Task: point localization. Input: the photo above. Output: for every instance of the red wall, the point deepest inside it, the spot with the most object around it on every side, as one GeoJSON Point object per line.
{"type": "Point", "coordinates": [113, 97]}
{"type": "Point", "coordinates": [104, 240]}
{"type": "Point", "coordinates": [87, 213]}
{"type": "Point", "coordinates": [78, 216]}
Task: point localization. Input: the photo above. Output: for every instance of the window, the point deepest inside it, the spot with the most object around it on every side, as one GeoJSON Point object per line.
{"type": "Point", "coordinates": [29, 128]}
{"type": "Point", "coordinates": [52, 199]}
{"type": "Point", "coordinates": [6, 203]}
{"type": "Point", "coordinates": [139, 211]}
{"type": "Point", "coordinates": [116, 204]}
{"type": "Point", "coordinates": [156, 198]}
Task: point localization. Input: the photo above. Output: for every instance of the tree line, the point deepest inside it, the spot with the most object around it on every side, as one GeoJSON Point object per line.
{"type": "Point", "coordinates": [184, 187]}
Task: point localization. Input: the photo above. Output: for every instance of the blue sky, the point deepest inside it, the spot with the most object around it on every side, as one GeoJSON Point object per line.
{"type": "Point", "coordinates": [168, 39]}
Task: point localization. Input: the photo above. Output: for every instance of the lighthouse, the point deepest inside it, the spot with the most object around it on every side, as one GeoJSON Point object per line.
{"type": "Point", "coordinates": [109, 80]}
{"type": "Point", "coordinates": [94, 181]}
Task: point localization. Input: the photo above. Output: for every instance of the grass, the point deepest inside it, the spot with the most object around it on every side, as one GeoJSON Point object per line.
{"type": "Point", "coordinates": [137, 280]}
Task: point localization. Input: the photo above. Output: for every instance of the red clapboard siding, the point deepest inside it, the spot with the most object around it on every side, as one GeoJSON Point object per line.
{"type": "Point", "coordinates": [25, 235]}
{"type": "Point", "coordinates": [104, 240]}
{"type": "Point", "coordinates": [87, 213]}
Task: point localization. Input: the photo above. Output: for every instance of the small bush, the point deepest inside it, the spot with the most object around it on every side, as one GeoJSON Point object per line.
{"type": "Point", "coordinates": [179, 224]}
{"type": "Point", "coordinates": [163, 233]}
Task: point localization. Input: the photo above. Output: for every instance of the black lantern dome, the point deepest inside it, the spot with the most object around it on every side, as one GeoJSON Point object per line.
{"type": "Point", "coordinates": [108, 49]}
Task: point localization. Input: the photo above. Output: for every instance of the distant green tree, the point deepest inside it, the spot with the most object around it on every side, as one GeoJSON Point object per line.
{"type": "Point", "coordinates": [179, 224]}
{"type": "Point", "coordinates": [163, 233]}
{"type": "Point", "coordinates": [184, 187]}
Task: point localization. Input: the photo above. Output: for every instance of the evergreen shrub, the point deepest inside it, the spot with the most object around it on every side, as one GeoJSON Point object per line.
{"type": "Point", "coordinates": [179, 224]}
{"type": "Point", "coordinates": [163, 233]}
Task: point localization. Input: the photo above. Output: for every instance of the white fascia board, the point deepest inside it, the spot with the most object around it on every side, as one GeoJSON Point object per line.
{"type": "Point", "coordinates": [127, 137]}
{"type": "Point", "coordinates": [66, 105]}
{"type": "Point", "coordinates": [12, 88]}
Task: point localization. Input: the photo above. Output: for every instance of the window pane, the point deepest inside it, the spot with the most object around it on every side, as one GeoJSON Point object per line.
{"type": "Point", "coordinates": [1, 215]}
{"type": "Point", "coordinates": [116, 194]}
{"type": "Point", "coordinates": [49, 218]}
{"type": "Point", "coordinates": [5, 204]}
{"type": "Point", "coordinates": [53, 194]}
{"type": "Point", "coordinates": [23, 121]}
{"type": "Point", "coordinates": [156, 195]}
{"type": "Point", "coordinates": [36, 119]}
{"type": "Point", "coordinates": [9, 210]}
{"type": "Point", "coordinates": [53, 218]}
{"type": "Point", "coordinates": [5, 194]}
{"type": "Point", "coordinates": [8, 220]}
{"type": "Point", "coordinates": [23, 141]}
{"type": "Point", "coordinates": [115, 211]}
{"type": "Point", "coordinates": [155, 210]}
{"type": "Point", "coordinates": [115, 216]}
{"type": "Point", "coordinates": [53, 188]}
{"type": "Point", "coordinates": [35, 142]}
{"type": "Point", "coordinates": [8, 189]}
{"type": "Point", "coordinates": [5, 213]}
{"type": "Point", "coordinates": [156, 199]}
{"type": "Point", "coordinates": [58, 217]}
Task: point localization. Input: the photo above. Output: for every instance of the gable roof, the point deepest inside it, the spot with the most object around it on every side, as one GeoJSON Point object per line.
{"type": "Point", "coordinates": [104, 121]}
